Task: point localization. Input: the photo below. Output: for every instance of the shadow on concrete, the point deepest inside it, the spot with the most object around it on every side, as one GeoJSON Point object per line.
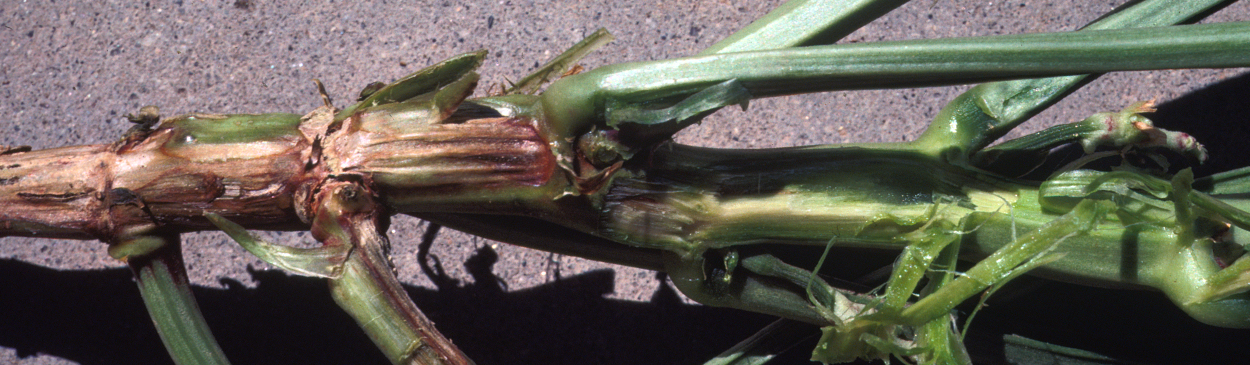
{"type": "Point", "coordinates": [96, 317]}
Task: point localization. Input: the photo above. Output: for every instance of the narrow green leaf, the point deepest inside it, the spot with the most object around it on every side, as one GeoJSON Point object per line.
{"type": "Point", "coordinates": [799, 23]}
{"type": "Point", "coordinates": [1235, 182]}
{"type": "Point", "coordinates": [763, 346]}
{"type": "Point", "coordinates": [1001, 106]}
{"type": "Point", "coordinates": [449, 98]}
{"type": "Point", "coordinates": [561, 64]}
{"type": "Point", "coordinates": [645, 125]}
{"type": "Point", "coordinates": [576, 103]}
{"type": "Point", "coordinates": [1029, 351]}
{"type": "Point", "coordinates": [423, 81]}
{"type": "Point", "coordinates": [323, 262]}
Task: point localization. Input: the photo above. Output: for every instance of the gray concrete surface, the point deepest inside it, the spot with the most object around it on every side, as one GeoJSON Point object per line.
{"type": "Point", "coordinates": [70, 70]}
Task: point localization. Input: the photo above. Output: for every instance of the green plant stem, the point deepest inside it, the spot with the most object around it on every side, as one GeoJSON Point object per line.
{"type": "Point", "coordinates": [999, 265]}
{"type": "Point", "coordinates": [166, 292]}
{"type": "Point", "coordinates": [984, 114]}
{"type": "Point", "coordinates": [575, 103]}
{"type": "Point", "coordinates": [369, 293]}
{"type": "Point", "coordinates": [367, 288]}
{"type": "Point", "coordinates": [693, 200]}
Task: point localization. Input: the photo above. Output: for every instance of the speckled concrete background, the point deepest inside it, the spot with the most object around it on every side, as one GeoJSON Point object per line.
{"type": "Point", "coordinates": [69, 71]}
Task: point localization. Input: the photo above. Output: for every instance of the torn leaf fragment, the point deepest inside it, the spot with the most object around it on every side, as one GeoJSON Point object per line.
{"type": "Point", "coordinates": [323, 262]}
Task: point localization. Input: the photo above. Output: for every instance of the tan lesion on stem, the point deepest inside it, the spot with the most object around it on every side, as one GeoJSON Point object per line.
{"type": "Point", "coordinates": [153, 179]}
{"type": "Point", "coordinates": [54, 193]}
{"type": "Point", "coordinates": [444, 165]}
{"type": "Point", "coordinates": [254, 179]}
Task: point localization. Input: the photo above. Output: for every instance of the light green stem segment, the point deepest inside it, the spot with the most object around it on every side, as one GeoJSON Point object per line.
{"type": "Point", "coordinates": [361, 278]}
{"type": "Point", "coordinates": [167, 294]}
{"type": "Point", "coordinates": [939, 337]}
{"type": "Point", "coordinates": [382, 308]}
{"type": "Point", "coordinates": [1002, 264]}
{"type": "Point", "coordinates": [914, 262]}
{"type": "Point", "coordinates": [367, 288]}
{"type": "Point", "coordinates": [576, 103]}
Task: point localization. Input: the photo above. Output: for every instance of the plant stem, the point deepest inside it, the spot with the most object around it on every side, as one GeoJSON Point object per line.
{"type": "Point", "coordinates": [166, 292]}
{"type": "Point", "coordinates": [368, 289]}
{"type": "Point", "coordinates": [576, 103]}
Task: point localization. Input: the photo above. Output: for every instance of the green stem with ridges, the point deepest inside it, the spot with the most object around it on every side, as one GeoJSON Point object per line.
{"type": "Point", "coordinates": [166, 292]}
{"type": "Point", "coordinates": [367, 289]}
{"type": "Point", "coordinates": [575, 103]}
